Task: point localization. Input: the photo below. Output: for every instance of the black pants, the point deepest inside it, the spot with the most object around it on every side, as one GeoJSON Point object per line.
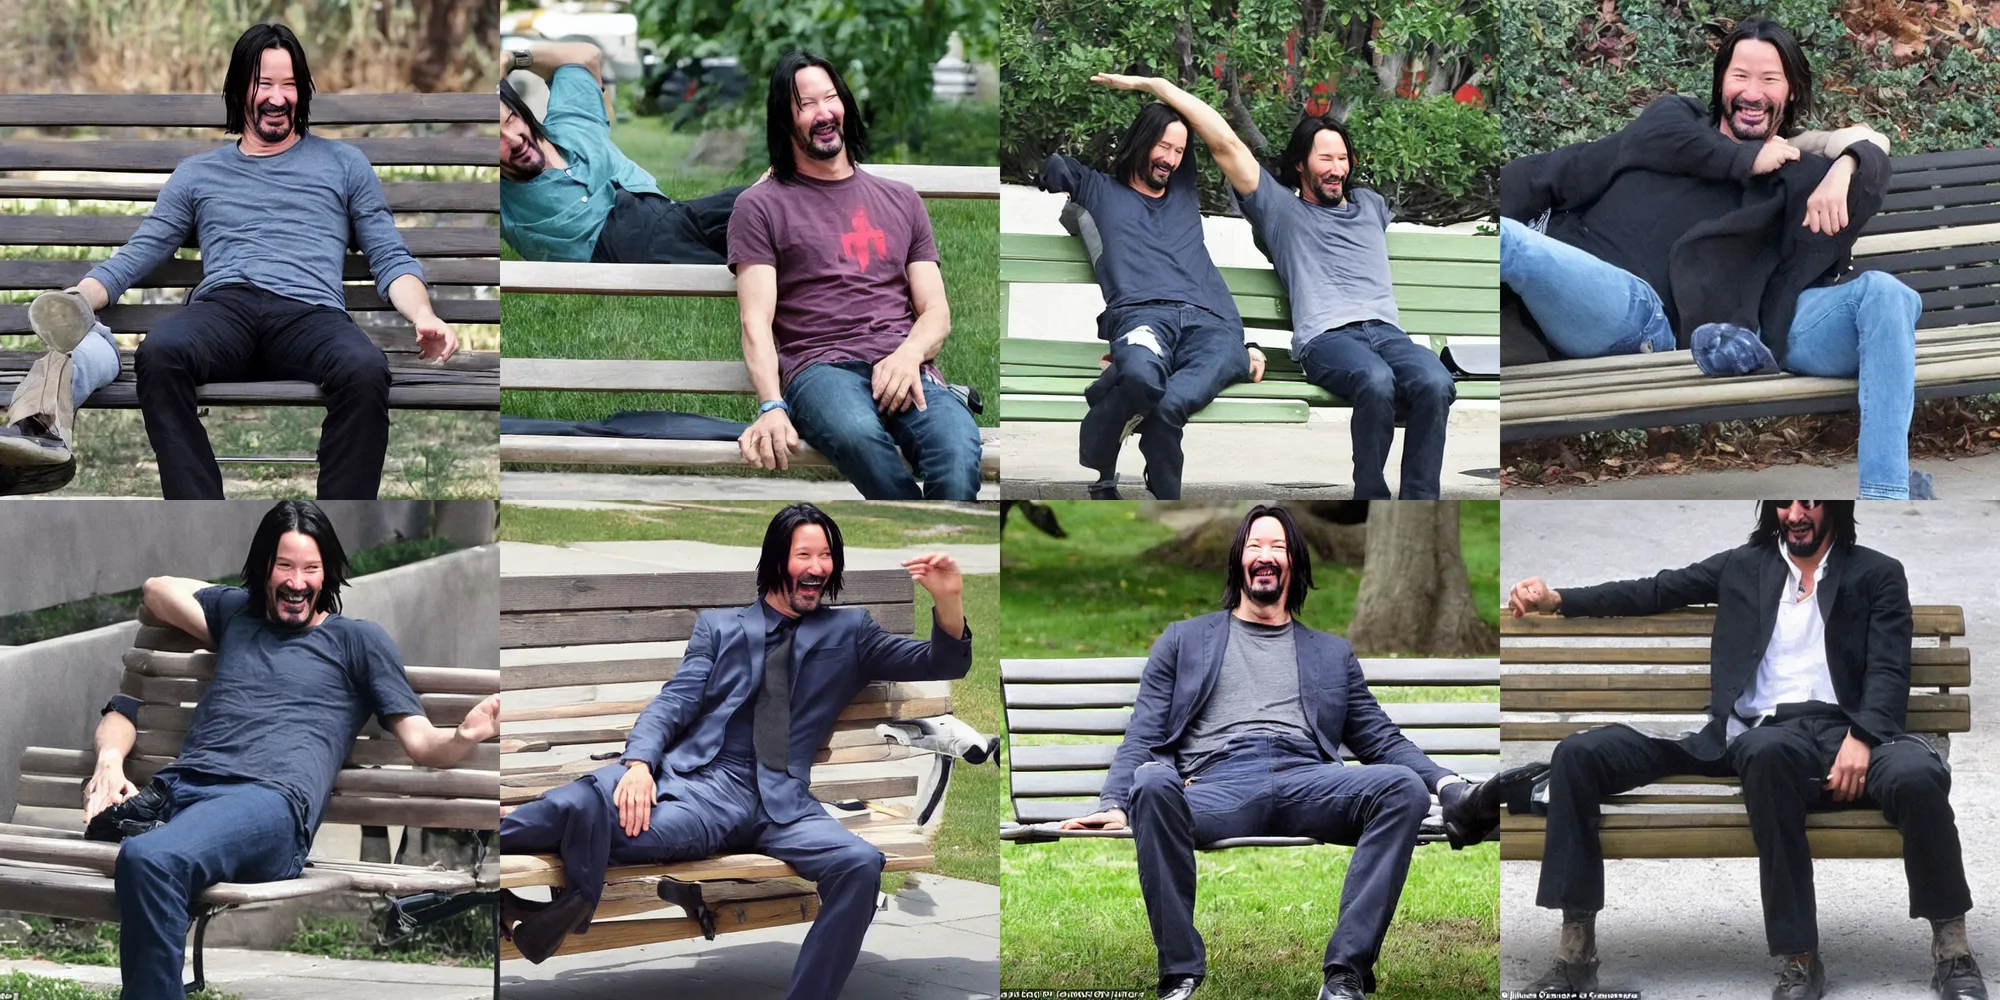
{"type": "Point", "coordinates": [242, 333]}
{"type": "Point", "coordinates": [1783, 767]}
{"type": "Point", "coordinates": [652, 229]}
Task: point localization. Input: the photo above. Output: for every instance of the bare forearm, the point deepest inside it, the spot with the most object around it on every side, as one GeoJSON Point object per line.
{"type": "Point", "coordinates": [548, 57]}
{"type": "Point", "coordinates": [760, 357]}
{"type": "Point", "coordinates": [927, 334]}
{"type": "Point", "coordinates": [115, 739]}
{"type": "Point", "coordinates": [412, 298]}
{"type": "Point", "coordinates": [436, 746]}
{"type": "Point", "coordinates": [951, 614]}
{"type": "Point", "coordinates": [94, 293]}
{"type": "Point", "coordinates": [1208, 123]}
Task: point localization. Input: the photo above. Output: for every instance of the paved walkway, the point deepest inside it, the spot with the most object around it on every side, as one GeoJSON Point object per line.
{"type": "Point", "coordinates": [1694, 927]}
{"type": "Point", "coordinates": [282, 975]}
{"type": "Point", "coordinates": [938, 940]}
{"type": "Point", "coordinates": [1965, 478]}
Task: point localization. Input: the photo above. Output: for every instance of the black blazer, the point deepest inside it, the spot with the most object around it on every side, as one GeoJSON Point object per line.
{"type": "Point", "coordinates": [1180, 676]}
{"type": "Point", "coordinates": [1864, 598]}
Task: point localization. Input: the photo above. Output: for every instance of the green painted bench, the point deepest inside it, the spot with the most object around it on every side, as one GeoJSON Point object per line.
{"type": "Point", "coordinates": [1447, 285]}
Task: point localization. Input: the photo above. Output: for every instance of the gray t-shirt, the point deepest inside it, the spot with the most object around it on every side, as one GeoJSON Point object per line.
{"type": "Point", "coordinates": [1334, 260]}
{"type": "Point", "coordinates": [282, 223]}
{"type": "Point", "coordinates": [1257, 692]}
{"type": "Point", "coordinates": [1153, 248]}
{"type": "Point", "coordinates": [286, 704]}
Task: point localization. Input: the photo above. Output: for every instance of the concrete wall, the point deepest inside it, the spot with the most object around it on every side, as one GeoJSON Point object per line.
{"type": "Point", "coordinates": [57, 552]}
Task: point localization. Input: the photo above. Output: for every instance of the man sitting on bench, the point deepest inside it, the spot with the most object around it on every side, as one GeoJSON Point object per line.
{"type": "Point", "coordinates": [294, 683]}
{"type": "Point", "coordinates": [1725, 230]}
{"type": "Point", "coordinates": [720, 761]}
{"type": "Point", "coordinates": [273, 214]}
{"type": "Point", "coordinates": [568, 193]}
{"type": "Point", "coordinates": [843, 305]}
{"type": "Point", "coordinates": [1327, 243]}
{"type": "Point", "coordinates": [1176, 337]}
{"type": "Point", "coordinates": [1224, 743]}
{"type": "Point", "coordinates": [1809, 686]}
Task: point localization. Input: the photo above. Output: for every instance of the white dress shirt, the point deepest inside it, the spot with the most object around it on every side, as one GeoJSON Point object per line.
{"type": "Point", "coordinates": [1794, 666]}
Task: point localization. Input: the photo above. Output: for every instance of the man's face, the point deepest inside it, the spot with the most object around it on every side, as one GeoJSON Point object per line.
{"type": "Point", "coordinates": [274, 97]}
{"type": "Point", "coordinates": [1165, 157]}
{"type": "Point", "coordinates": [1267, 566]}
{"type": "Point", "coordinates": [809, 566]}
{"type": "Point", "coordinates": [1804, 527]}
{"type": "Point", "coordinates": [296, 579]}
{"type": "Point", "coordinates": [818, 118]}
{"type": "Point", "coordinates": [1323, 177]}
{"type": "Point", "coordinates": [521, 157]}
{"type": "Point", "coordinates": [1754, 91]}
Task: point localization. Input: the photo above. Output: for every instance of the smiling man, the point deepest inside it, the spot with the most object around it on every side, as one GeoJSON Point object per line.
{"type": "Point", "coordinates": [1726, 231]}
{"type": "Point", "coordinates": [1809, 691]}
{"type": "Point", "coordinates": [1224, 743]}
{"type": "Point", "coordinates": [294, 682]}
{"type": "Point", "coordinates": [720, 761]}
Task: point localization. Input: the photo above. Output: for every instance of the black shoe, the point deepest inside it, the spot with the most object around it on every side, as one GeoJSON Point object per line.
{"type": "Point", "coordinates": [513, 909]}
{"type": "Point", "coordinates": [1802, 978]}
{"type": "Point", "coordinates": [19, 480]}
{"type": "Point", "coordinates": [1574, 978]}
{"type": "Point", "coordinates": [1471, 812]}
{"type": "Point", "coordinates": [1104, 489]}
{"type": "Point", "coordinates": [1959, 979]}
{"type": "Point", "coordinates": [1342, 985]}
{"type": "Point", "coordinates": [1178, 987]}
{"type": "Point", "coordinates": [538, 936]}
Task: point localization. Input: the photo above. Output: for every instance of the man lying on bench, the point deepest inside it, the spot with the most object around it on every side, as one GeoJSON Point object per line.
{"type": "Point", "coordinates": [568, 193]}
{"type": "Point", "coordinates": [294, 683]}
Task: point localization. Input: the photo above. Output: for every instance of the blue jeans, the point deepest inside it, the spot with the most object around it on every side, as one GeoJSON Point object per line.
{"type": "Point", "coordinates": [835, 413]}
{"type": "Point", "coordinates": [216, 831]}
{"type": "Point", "coordinates": [1168, 360]}
{"type": "Point", "coordinates": [1865, 328]}
{"type": "Point", "coordinates": [1585, 307]}
{"type": "Point", "coordinates": [1381, 371]}
{"type": "Point", "coordinates": [1266, 785]}
{"type": "Point", "coordinates": [93, 364]}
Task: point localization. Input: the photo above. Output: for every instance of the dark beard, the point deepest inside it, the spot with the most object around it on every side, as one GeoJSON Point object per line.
{"type": "Point", "coordinates": [1769, 129]}
{"type": "Point", "coordinates": [257, 123]}
{"type": "Point", "coordinates": [271, 610]}
{"type": "Point", "coordinates": [818, 152]}
{"type": "Point", "coordinates": [1333, 195]}
{"type": "Point", "coordinates": [1807, 548]}
{"type": "Point", "coordinates": [802, 605]}
{"type": "Point", "coordinates": [1261, 593]}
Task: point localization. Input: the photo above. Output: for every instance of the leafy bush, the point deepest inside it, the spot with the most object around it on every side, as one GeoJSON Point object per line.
{"type": "Point", "coordinates": [1407, 80]}
{"type": "Point", "coordinates": [1573, 70]}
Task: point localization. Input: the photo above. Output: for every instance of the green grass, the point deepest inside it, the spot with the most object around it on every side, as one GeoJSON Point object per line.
{"type": "Point", "coordinates": [862, 524]}
{"type": "Point", "coordinates": [675, 328]}
{"type": "Point", "coordinates": [1071, 913]}
{"type": "Point", "coordinates": [463, 939]}
{"type": "Point", "coordinates": [22, 986]}
{"type": "Point", "coordinates": [71, 942]}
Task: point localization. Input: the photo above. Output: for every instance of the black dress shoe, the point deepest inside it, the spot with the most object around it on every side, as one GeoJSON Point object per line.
{"type": "Point", "coordinates": [1342, 986]}
{"type": "Point", "coordinates": [1959, 979]}
{"type": "Point", "coordinates": [1471, 812]}
{"type": "Point", "coordinates": [1104, 489]}
{"type": "Point", "coordinates": [513, 909]}
{"type": "Point", "coordinates": [1178, 987]}
{"type": "Point", "coordinates": [538, 935]}
{"type": "Point", "coordinates": [1576, 978]}
{"type": "Point", "coordinates": [1802, 978]}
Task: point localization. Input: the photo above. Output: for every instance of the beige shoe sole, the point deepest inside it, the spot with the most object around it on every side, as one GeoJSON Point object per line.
{"type": "Point", "coordinates": [61, 319]}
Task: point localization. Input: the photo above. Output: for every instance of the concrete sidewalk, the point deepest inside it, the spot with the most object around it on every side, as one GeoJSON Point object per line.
{"type": "Point", "coordinates": [283, 975]}
{"type": "Point", "coordinates": [1313, 460]}
{"type": "Point", "coordinates": [1694, 927]}
{"type": "Point", "coordinates": [938, 940]}
{"type": "Point", "coordinates": [1964, 478]}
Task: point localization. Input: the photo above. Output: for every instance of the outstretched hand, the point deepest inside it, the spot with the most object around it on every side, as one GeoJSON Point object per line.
{"type": "Point", "coordinates": [1119, 81]}
{"type": "Point", "coordinates": [937, 573]}
{"type": "Point", "coordinates": [482, 722]}
{"type": "Point", "coordinates": [108, 787]}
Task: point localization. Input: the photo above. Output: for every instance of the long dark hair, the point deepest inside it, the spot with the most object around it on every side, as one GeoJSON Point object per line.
{"type": "Point", "coordinates": [304, 517]}
{"type": "Point", "coordinates": [1291, 163]}
{"type": "Point", "coordinates": [783, 99]}
{"type": "Point", "coordinates": [772, 562]}
{"type": "Point", "coordinates": [243, 65]}
{"type": "Point", "coordinates": [1295, 548]}
{"type": "Point", "coordinates": [515, 103]}
{"type": "Point", "coordinates": [1838, 519]}
{"type": "Point", "coordinates": [1798, 74]}
{"type": "Point", "coordinates": [1135, 151]}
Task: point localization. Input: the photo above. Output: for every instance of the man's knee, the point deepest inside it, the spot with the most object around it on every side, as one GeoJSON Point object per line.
{"type": "Point", "coordinates": [857, 855]}
{"type": "Point", "coordinates": [148, 857]}
{"type": "Point", "coordinates": [1907, 774]}
{"type": "Point", "coordinates": [1769, 755]}
{"type": "Point", "coordinates": [1138, 386]}
{"type": "Point", "coordinates": [1885, 287]}
{"type": "Point", "coordinates": [165, 349]}
{"type": "Point", "coordinates": [363, 370]}
{"type": "Point", "coordinates": [1429, 385]}
{"type": "Point", "coordinates": [1152, 779]}
{"type": "Point", "coordinates": [1404, 793]}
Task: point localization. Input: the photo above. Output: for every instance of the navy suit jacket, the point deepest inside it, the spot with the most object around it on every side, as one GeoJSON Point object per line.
{"type": "Point", "coordinates": [834, 653]}
{"type": "Point", "coordinates": [1180, 676]}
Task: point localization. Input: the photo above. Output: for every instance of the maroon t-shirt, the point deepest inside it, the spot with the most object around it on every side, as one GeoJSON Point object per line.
{"type": "Point", "coordinates": [841, 249]}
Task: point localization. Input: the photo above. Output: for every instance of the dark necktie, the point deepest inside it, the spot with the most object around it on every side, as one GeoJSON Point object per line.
{"type": "Point", "coordinates": [773, 721]}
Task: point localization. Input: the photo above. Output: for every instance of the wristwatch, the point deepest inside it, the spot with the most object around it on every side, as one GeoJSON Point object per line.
{"type": "Point", "coordinates": [519, 59]}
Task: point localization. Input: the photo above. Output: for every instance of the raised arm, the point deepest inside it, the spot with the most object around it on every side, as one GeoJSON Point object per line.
{"type": "Point", "coordinates": [547, 57]}
{"type": "Point", "coordinates": [171, 599]}
{"type": "Point", "coordinates": [1663, 591]}
{"type": "Point", "coordinates": [442, 747]}
{"type": "Point", "coordinates": [1239, 165]}
{"type": "Point", "coordinates": [947, 655]}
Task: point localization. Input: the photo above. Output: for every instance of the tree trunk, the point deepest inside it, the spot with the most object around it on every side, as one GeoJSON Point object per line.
{"type": "Point", "coordinates": [1414, 595]}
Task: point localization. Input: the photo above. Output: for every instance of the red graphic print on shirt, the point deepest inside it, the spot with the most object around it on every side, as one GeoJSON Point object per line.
{"type": "Point", "coordinates": [854, 244]}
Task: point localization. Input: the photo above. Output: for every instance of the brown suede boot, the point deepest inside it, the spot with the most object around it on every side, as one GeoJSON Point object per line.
{"type": "Point", "coordinates": [42, 419]}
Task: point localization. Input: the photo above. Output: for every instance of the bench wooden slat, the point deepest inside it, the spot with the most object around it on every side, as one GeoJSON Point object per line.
{"type": "Point", "coordinates": [1677, 702]}
{"type": "Point", "coordinates": [577, 673]}
{"type": "Point", "coordinates": [1311, 395]}
{"type": "Point", "coordinates": [1071, 696]}
{"type": "Point", "coordinates": [163, 155]}
{"type": "Point", "coordinates": [1403, 244]}
{"type": "Point", "coordinates": [423, 680]}
{"type": "Point", "coordinates": [1378, 670]}
{"type": "Point", "coordinates": [906, 850]}
{"type": "Point", "coordinates": [565, 375]}
{"type": "Point", "coordinates": [206, 111]}
{"type": "Point", "coordinates": [1926, 620]}
{"type": "Point", "coordinates": [734, 916]}
{"type": "Point", "coordinates": [144, 318]}
{"type": "Point", "coordinates": [444, 390]}
{"type": "Point", "coordinates": [1712, 842]}
{"type": "Point", "coordinates": [839, 790]}
{"type": "Point", "coordinates": [1928, 657]}
{"type": "Point", "coordinates": [1222, 411]}
{"type": "Point", "coordinates": [73, 767]}
{"type": "Point", "coordinates": [870, 705]}
{"type": "Point", "coordinates": [721, 589]}
{"type": "Point", "coordinates": [116, 230]}
{"type": "Point", "coordinates": [1921, 676]}
{"type": "Point", "coordinates": [555, 450]}
{"type": "Point", "coordinates": [38, 275]}
{"type": "Point", "coordinates": [859, 717]}
{"type": "Point", "coordinates": [476, 197]}
{"type": "Point", "coordinates": [1111, 722]}
{"type": "Point", "coordinates": [1917, 722]}
{"type": "Point", "coordinates": [80, 895]}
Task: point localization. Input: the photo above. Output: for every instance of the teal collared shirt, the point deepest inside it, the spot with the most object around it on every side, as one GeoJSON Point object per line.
{"type": "Point", "coordinates": [559, 214]}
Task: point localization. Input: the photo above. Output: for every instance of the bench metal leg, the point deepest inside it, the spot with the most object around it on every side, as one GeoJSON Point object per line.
{"type": "Point", "coordinates": [200, 937]}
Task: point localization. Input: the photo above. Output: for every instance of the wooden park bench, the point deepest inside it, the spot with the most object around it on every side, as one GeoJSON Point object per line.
{"type": "Point", "coordinates": [718, 377]}
{"type": "Point", "coordinates": [54, 871]}
{"type": "Point", "coordinates": [457, 258]}
{"type": "Point", "coordinates": [1938, 232]}
{"type": "Point", "coordinates": [1055, 776]}
{"type": "Point", "coordinates": [1565, 675]}
{"type": "Point", "coordinates": [1447, 285]}
{"type": "Point", "coordinates": [571, 635]}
